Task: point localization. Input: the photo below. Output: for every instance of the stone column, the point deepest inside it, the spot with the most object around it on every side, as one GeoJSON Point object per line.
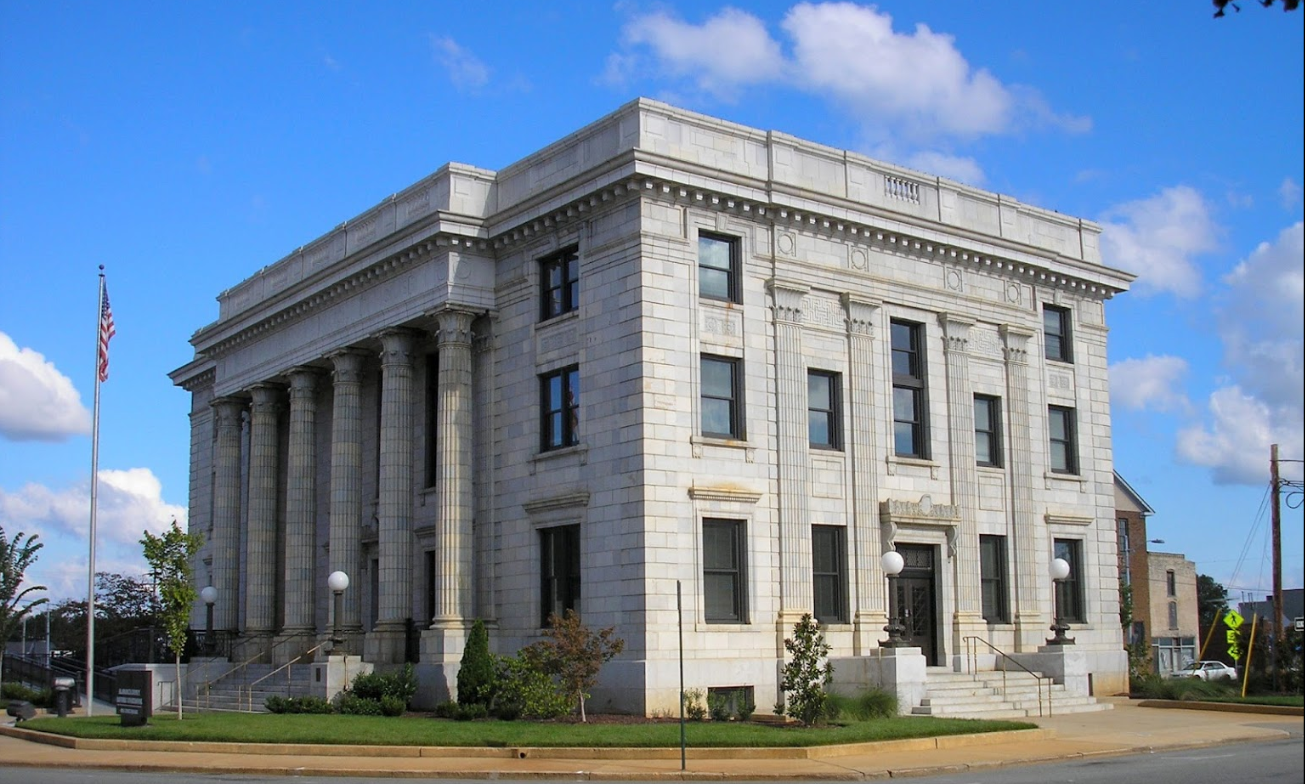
{"type": "Point", "coordinates": [453, 492]}
{"type": "Point", "coordinates": [301, 507]}
{"type": "Point", "coordinates": [793, 458]}
{"type": "Point", "coordinates": [1025, 533]}
{"type": "Point", "coordinates": [869, 597]}
{"type": "Point", "coordinates": [229, 412]}
{"type": "Point", "coordinates": [346, 488]}
{"type": "Point", "coordinates": [484, 601]}
{"type": "Point", "coordinates": [385, 644]}
{"type": "Point", "coordinates": [968, 619]}
{"type": "Point", "coordinates": [260, 545]}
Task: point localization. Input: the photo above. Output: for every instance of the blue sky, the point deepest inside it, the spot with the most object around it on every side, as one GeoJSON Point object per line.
{"type": "Point", "coordinates": [185, 146]}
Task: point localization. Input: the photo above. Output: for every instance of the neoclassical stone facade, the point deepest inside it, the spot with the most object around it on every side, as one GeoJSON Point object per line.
{"type": "Point", "coordinates": [664, 352]}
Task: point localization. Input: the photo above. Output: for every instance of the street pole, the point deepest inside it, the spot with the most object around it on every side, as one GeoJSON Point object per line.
{"type": "Point", "coordinates": [1276, 518]}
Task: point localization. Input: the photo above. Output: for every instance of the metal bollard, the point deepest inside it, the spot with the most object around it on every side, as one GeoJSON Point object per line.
{"type": "Point", "coordinates": [63, 695]}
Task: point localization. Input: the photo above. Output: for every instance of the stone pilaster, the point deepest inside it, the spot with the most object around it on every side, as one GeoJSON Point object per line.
{"type": "Point", "coordinates": [260, 544]}
{"type": "Point", "coordinates": [229, 412]}
{"type": "Point", "coordinates": [301, 505]}
{"type": "Point", "coordinates": [793, 459]}
{"type": "Point", "coordinates": [869, 598]}
{"type": "Point", "coordinates": [346, 487]}
{"type": "Point", "coordinates": [1025, 531]}
{"type": "Point", "coordinates": [385, 643]}
{"type": "Point", "coordinates": [453, 492]}
{"type": "Point", "coordinates": [968, 618]}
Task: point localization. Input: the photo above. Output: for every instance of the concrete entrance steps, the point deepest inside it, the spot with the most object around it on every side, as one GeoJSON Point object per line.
{"type": "Point", "coordinates": [984, 695]}
{"type": "Point", "coordinates": [233, 693]}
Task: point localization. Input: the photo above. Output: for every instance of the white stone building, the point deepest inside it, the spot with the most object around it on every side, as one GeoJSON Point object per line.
{"type": "Point", "coordinates": [665, 350]}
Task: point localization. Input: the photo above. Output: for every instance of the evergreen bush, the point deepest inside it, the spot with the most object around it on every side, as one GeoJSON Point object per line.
{"type": "Point", "coordinates": [807, 675]}
{"type": "Point", "coordinates": [476, 675]}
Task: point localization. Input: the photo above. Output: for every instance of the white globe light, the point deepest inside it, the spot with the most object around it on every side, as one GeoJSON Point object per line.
{"type": "Point", "coordinates": [1059, 569]}
{"type": "Point", "coordinates": [337, 582]}
{"type": "Point", "coordinates": [208, 594]}
{"type": "Point", "coordinates": [892, 561]}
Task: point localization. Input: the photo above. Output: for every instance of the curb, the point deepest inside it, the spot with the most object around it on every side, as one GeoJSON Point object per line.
{"type": "Point", "coordinates": [1223, 707]}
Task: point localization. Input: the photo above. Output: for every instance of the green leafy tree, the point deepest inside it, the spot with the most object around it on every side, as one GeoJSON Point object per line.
{"type": "Point", "coordinates": [476, 675]}
{"type": "Point", "coordinates": [807, 675]}
{"type": "Point", "coordinates": [574, 655]}
{"type": "Point", "coordinates": [16, 556]}
{"type": "Point", "coordinates": [1221, 6]}
{"type": "Point", "coordinates": [170, 558]}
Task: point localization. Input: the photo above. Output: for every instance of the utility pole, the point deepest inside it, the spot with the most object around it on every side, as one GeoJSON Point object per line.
{"type": "Point", "coordinates": [1276, 518]}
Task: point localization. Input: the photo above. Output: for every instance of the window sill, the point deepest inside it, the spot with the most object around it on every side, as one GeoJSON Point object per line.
{"type": "Point", "coordinates": [582, 450]}
{"type": "Point", "coordinates": [559, 318]}
{"type": "Point", "coordinates": [990, 469]}
{"type": "Point", "coordinates": [899, 461]}
{"type": "Point", "coordinates": [1058, 477]}
{"type": "Point", "coordinates": [698, 442]}
{"type": "Point", "coordinates": [1067, 364]}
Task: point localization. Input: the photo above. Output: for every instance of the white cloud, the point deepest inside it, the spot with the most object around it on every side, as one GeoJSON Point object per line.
{"type": "Point", "coordinates": [955, 167]}
{"type": "Point", "coordinates": [893, 83]}
{"type": "Point", "coordinates": [1261, 320]}
{"type": "Point", "coordinates": [1235, 443]}
{"type": "Point", "coordinates": [1151, 383]}
{"type": "Point", "coordinates": [1157, 239]}
{"type": "Point", "coordinates": [1289, 193]}
{"type": "Point", "coordinates": [37, 402]}
{"type": "Point", "coordinates": [128, 503]}
{"type": "Point", "coordinates": [465, 70]}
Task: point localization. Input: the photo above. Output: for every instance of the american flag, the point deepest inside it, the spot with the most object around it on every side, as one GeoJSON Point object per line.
{"type": "Point", "coordinates": [106, 332]}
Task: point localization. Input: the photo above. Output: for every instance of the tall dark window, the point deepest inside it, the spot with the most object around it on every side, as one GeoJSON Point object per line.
{"type": "Point", "coordinates": [1056, 333]}
{"type": "Point", "coordinates": [987, 430]}
{"type": "Point", "coordinates": [1061, 427]}
{"type": "Point", "coordinates": [1171, 583]}
{"type": "Point", "coordinates": [992, 578]}
{"type": "Point", "coordinates": [1071, 588]}
{"type": "Point", "coordinates": [828, 573]}
{"type": "Point", "coordinates": [559, 276]}
{"type": "Point", "coordinates": [910, 423]}
{"type": "Point", "coordinates": [718, 268]}
{"type": "Point", "coordinates": [432, 417]}
{"type": "Point", "coordinates": [559, 405]}
{"type": "Point", "coordinates": [724, 566]}
{"type": "Point", "coordinates": [824, 426]}
{"type": "Point", "coordinates": [722, 397]}
{"type": "Point", "coordinates": [1125, 552]}
{"type": "Point", "coordinates": [559, 571]}
{"type": "Point", "coordinates": [1173, 615]}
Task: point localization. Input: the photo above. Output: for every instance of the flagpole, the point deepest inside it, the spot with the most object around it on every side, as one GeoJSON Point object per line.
{"type": "Point", "coordinates": [95, 465]}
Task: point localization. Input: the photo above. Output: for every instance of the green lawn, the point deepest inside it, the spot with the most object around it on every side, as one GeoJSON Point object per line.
{"type": "Point", "coordinates": [420, 731]}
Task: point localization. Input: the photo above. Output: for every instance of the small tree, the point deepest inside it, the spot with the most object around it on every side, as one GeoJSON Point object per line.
{"type": "Point", "coordinates": [15, 557]}
{"type": "Point", "coordinates": [805, 677]}
{"type": "Point", "coordinates": [169, 556]}
{"type": "Point", "coordinates": [574, 654]}
{"type": "Point", "coordinates": [476, 675]}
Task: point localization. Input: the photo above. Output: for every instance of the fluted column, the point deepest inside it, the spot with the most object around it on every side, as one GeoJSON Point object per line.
{"type": "Point", "coordinates": [260, 545]}
{"type": "Point", "coordinates": [485, 600]}
{"type": "Point", "coordinates": [871, 613]}
{"type": "Point", "coordinates": [394, 512]}
{"type": "Point", "coordinates": [301, 503]}
{"type": "Point", "coordinates": [968, 618]}
{"type": "Point", "coordinates": [453, 483]}
{"type": "Point", "coordinates": [793, 460]}
{"type": "Point", "coordinates": [1024, 530]}
{"type": "Point", "coordinates": [226, 512]}
{"type": "Point", "coordinates": [346, 483]}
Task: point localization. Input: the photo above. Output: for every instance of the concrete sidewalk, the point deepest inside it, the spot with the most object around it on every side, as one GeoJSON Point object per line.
{"type": "Point", "coordinates": [1128, 728]}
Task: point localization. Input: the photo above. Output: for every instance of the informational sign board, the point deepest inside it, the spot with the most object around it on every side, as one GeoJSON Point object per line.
{"type": "Point", "coordinates": [1298, 624]}
{"type": "Point", "coordinates": [134, 697]}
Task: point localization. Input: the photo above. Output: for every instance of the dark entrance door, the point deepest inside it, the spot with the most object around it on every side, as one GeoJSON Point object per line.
{"type": "Point", "coordinates": [916, 598]}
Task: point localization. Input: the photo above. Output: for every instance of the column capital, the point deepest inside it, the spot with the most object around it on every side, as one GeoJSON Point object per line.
{"type": "Point", "coordinates": [861, 314]}
{"type": "Point", "coordinates": [454, 327]}
{"type": "Point", "coordinates": [1016, 339]}
{"type": "Point", "coordinates": [788, 296]}
{"type": "Point", "coordinates": [229, 409]}
{"type": "Point", "coordinates": [397, 345]}
{"type": "Point", "coordinates": [267, 396]}
{"type": "Point", "coordinates": [347, 364]}
{"type": "Point", "coordinates": [956, 331]}
{"type": "Point", "coordinates": [303, 380]}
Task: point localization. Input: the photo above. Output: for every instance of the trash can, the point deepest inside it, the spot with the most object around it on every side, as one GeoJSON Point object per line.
{"type": "Point", "coordinates": [63, 693]}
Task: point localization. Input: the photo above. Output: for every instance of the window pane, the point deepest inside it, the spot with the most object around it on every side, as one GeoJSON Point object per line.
{"type": "Point", "coordinates": [717, 273]}
{"type": "Point", "coordinates": [904, 405]}
{"type": "Point", "coordinates": [720, 603]}
{"type": "Point", "coordinates": [716, 418]}
{"type": "Point", "coordinates": [818, 428]}
{"type": "Point", "coordinates": [714, 283]}
{"type": "Point", "coordinates": [818, 388]}
{"type": "Point", "coordinates": [1057, 421]}
{"type": "Point", "coordinates": [714, 252]}
{"type": "Point", "coordinates": [904, 438]}
{"type": "Point", "coordinates": [717, 378]}
{"type": "Point", "coordinates": [983, 448]}
{"type": "Point", "coordinates": [982, 414]}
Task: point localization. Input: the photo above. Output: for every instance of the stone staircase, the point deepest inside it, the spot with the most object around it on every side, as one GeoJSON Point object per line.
{"type": "Point", "coordinates": [247, 690]}
{"type": "Point", "coordinates": [984, 695]}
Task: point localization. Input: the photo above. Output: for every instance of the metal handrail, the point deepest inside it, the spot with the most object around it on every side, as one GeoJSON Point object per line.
{"type": "Point", "coordinates": [972, 656]}
{"type": "Point", "coordinates": [208, 684]}
{"type": "Point", "coordinates": [249, 690]}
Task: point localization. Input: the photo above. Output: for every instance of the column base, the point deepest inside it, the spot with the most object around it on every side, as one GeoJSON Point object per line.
{"type": "Point", "coordinates": [386, 644]}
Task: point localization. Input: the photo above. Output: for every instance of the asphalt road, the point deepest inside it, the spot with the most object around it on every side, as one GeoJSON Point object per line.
{"type": "Point", "coordinates": [1279, 762]}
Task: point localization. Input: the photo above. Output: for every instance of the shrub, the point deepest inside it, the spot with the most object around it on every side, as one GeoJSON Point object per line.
{"type": "Point", "coordinates": [476, 675]}
{"type": "Point", "coordinates": [471, 711]}
{"type": "Point", "coordinates": [307, 704]}
{"type": "Point", "coordinates": [392, 705]}
{"type": "Point", "coordinates": [718, 706]}
{"type": "Point", "coordinates": [872, 703]}
{"type": "Point", "coordinates": [446, 710]}
{"type": "Point", "coordinates": [805, 677]}
{"type": "Point", "coordinates": [526, 691]}
{"type": "Point", "coordinates": [353, 705]}
{"type": "Point", "coordinates": [694, 710]}
{"type": "Point", "coordinates": [574, 654]}
{"type": "Point", "coordinates": [376, 685]}
{"type": "Point", "coordinates": [17, 691]}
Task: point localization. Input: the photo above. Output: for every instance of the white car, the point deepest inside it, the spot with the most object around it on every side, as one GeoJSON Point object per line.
{"type": "Point", "coordinates": [1207, 671]}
